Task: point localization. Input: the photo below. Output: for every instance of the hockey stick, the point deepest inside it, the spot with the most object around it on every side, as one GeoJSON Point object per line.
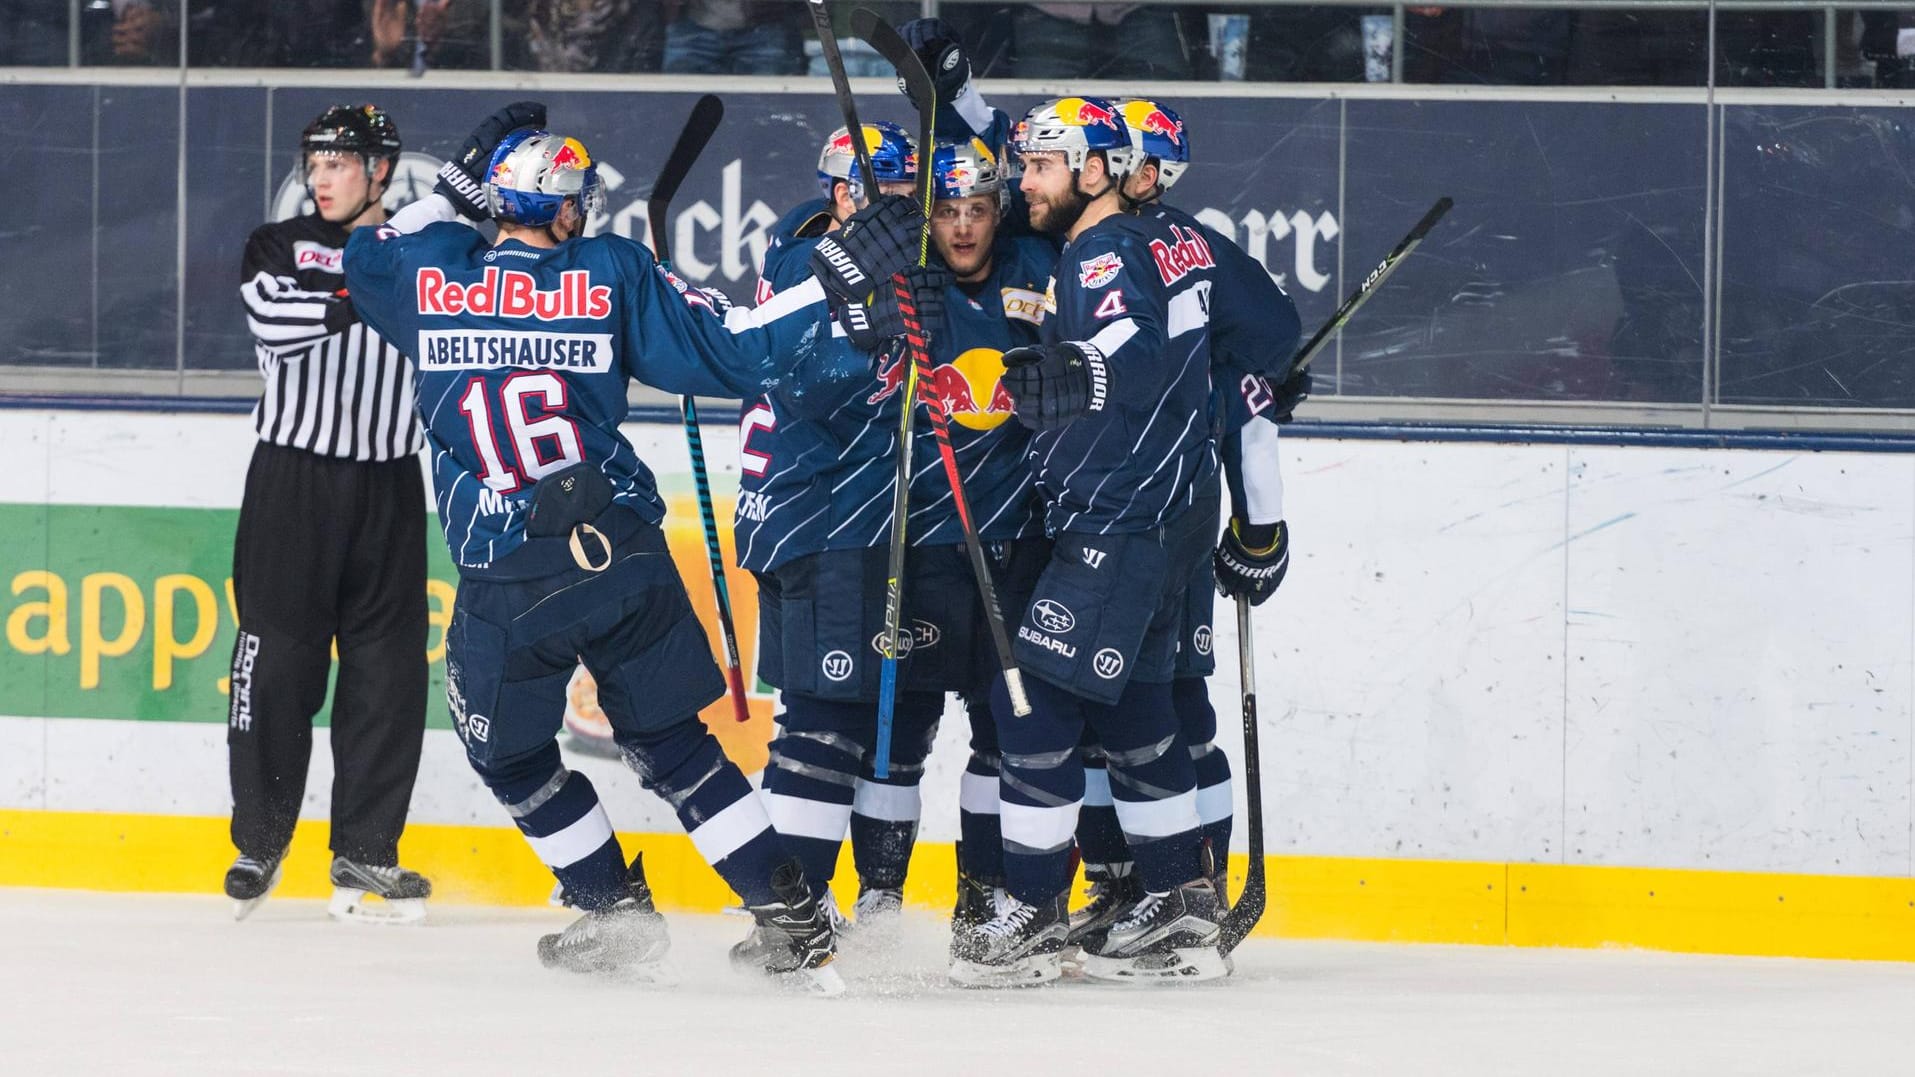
{"type": "Point", "coordinates": [1369, 286]}
{"type": "Point", "coordinates": [707, 113]}
{"type": "Point", "coordinates": [887, 42]}
{"type": "Point", "coordinates": [841, 86]}
{"type": "Point", "coordinates": [1249, 907]}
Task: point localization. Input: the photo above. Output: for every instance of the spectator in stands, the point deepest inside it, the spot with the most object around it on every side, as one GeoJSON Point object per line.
{"type": "Point", "coordinates": [607, 36]}
{"type": "Point", "coordinates": [1305, 44]}
{"type": "Point", "coordinates": [1100, 41]}
{"type": "Point", "coordinates": [1486, 46]}
{"type": "Point", "coordinates": [736, 37]}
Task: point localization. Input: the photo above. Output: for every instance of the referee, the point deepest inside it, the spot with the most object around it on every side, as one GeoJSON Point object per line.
{"type": "Point", "coordinates": [330, 547]}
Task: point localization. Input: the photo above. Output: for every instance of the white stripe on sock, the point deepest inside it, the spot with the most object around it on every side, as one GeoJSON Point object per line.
{"type": "Point", "coordinates": [1213, 802]}
{"type": "Point", "coordinates": [575, 842]}
{"type": "Point", "coordinates": [727, 832]}
{"type": "Point", "coordinates": [802, 818]}
{"type": "Point", "coordinates": [1159, 818]}
{"type": "Point", "coordinates": [977, 793]}
{"type": "Point", "coordinates": [1039, 828]}
{"type": "Point", "coordinates": [891, 803]}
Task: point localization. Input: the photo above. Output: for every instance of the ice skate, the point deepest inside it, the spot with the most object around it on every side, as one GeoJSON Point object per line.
{"type": "Point", "coordinates": [1113, 891]}
{"type": "Point", "coordinates": [792, 939]}
{"type": "Point", "coordinates": [1165, 938]}
{"type": "Point", "coordinates": [627, 939]}
{"type": "Point", "coordinates": [1019, 946]}
{"type": "Point", "coordinates": [248, 882]}
{"type": "Point", "coordinates": [976, 902]}
{"type": "Point", "coordinates": [878, 916]}
{"type": "Point", "coordinates": [402, 894]}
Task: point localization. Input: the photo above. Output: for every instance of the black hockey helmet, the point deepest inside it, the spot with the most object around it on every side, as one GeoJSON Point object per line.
{"type": "Point", "coordinates": [362, 129]}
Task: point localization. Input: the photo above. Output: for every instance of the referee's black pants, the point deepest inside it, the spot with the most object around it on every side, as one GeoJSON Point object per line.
{"type": "Point", "coordinates": [328, 548]}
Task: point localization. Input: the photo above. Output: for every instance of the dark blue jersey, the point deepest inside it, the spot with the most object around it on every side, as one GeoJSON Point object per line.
{"type": "Point", "coordinates": [1254, 327]}
{"type": "Point", "coordinates": [523, 355]}
{"type": "Point", "coordinates": [1134, 292]}
{"type": "Point", "coordinates": [828, 481]}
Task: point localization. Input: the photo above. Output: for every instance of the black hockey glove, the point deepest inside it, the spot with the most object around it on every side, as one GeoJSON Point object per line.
{"type": "Point", "coordinates": [462, 179]}
{"type": "Point", "coordinates": [1052, 384]}
{"type": "Point", "coordinates": [942, 54]}
{"type": "Point", "coordinates": [1251, 560]}
{"type": "Point", "coordinates": [872, 325]}
{"type": "Point", "coordinates": [1288, 393]}
{"type": "Point", "coordinates": [875, 242]}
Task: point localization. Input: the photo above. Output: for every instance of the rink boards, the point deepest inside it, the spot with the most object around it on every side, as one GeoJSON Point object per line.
{"type": "Point", "coordinates": [1530, 694]}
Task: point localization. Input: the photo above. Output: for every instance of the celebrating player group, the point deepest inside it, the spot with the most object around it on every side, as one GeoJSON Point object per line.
{"type": "Point", "coordinates": [1091, 367]}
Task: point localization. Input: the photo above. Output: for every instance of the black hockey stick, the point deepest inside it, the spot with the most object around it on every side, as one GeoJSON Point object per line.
{"type": "Point", "coordinates": [841, 86]}
{"type": "Point", "coordinates": [706, 115]}
{"type": "Point", "coordinates": [888, 43]}
{"type": "Point", "coordinates": [1249, 907]}
{"type": "Point", "coordinates": [1369, 286]}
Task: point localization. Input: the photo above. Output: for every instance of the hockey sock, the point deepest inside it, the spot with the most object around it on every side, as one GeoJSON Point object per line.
{"type": "Point", "coordinates": [981, 856]}
{"type": "Point", "coordinates": [884, 814]}
{"type": "Point", "coordinates": [1198, 719]}
{"type": "Point", "coordinates": [717, 806]}
{"type": "Point", "coordinates": [559, 813]}
{"type": "Point", "coordinates": [810, 780]}
{"type": "Point", "coordinates": [1153, 785]}
{"type": "Point", "coordinates": [1099, 838]}
{"type": "Point", "coordinates": [1040, 789]}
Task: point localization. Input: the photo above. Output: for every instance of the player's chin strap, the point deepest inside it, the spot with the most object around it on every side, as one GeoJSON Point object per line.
{"type": "Point", "coordinates": [584, 560]}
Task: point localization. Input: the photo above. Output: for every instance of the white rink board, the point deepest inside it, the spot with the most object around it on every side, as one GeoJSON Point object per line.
{"type": "Point", "coordinates": [1631, 656]}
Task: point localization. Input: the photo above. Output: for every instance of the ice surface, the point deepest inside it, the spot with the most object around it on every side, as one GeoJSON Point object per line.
{"type": "Point", "coordinates": [140, 984]}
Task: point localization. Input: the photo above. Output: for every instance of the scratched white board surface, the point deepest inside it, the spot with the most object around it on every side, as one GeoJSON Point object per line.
{"type": "Point", "coordinates": [1740, 628]}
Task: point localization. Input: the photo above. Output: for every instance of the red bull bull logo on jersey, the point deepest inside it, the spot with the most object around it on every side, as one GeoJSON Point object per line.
{"type": "Point", "coordinates": [970, 387]}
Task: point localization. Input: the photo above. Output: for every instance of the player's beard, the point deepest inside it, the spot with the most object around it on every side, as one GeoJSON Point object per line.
{"type": "Point", "coordinates": [1061, 214]}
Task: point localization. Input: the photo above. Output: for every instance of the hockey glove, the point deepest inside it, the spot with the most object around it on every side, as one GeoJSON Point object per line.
{"type": "Point", "coordinates": [462, 179]}
{"type": "Point", "coordinates": [1052, 384]}
{"type": "Point", "coordinates": [1288, 393]}
{"type": "Point", "coordinates": [1251, 560]}
{"type": "Point", "coordinates": [875, 242]}
{"type": "Point", "coordinates": [942, 54]}
{"type": "Point", "coordinates": [872, 325]}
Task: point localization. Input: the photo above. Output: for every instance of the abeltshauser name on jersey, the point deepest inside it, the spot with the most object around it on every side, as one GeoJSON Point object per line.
{"type": "Point", "coordinates": [453, 349]}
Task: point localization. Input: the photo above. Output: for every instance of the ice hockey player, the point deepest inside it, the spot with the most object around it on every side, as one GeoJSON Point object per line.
{"type": "Point", "coordinates": [824, 538]}
{"type": "Point", "coordinates": [524, 348]}
{"type": "Point", "coordinates": [1122, 455]}
{"type": "Point", "coordinates": [331, 546]}
{"type": "Point", "coordinates": [1254, 332]}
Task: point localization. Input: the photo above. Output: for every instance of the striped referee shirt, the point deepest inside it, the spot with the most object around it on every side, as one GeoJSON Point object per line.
{"type": "Point", "coordinates": [333, 386]}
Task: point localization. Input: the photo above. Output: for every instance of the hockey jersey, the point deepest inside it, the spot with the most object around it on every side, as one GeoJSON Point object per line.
{"type": "Point", "coordinates": [820, 464]}
{"type": "Point", "coordinates": [523, 355]}
{"type": "Point", "coordinates": [1136, 293]}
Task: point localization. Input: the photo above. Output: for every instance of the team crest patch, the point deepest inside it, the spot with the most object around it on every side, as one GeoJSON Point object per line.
{"type": "Point", "coordinates": [1099, 271]}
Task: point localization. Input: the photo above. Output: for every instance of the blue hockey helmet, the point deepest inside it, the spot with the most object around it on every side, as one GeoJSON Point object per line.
{"type": "Point", "coordinates": [964, 169]}
{"type": "Point", "coordinates": [894, 159]}
{"type": "Point", "coordinates": [532, 174]}
{"type": "Point", "coordinates": [1077, 127]}
{"type": "Point", "coordinates": [1157, 134]}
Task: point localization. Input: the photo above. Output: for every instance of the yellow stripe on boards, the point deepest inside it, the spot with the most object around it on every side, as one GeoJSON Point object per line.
{"type": "Point", "coordinates": [1478, 902]}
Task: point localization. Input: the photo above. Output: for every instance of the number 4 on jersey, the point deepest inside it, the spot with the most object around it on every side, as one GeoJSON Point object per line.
{"type": "Point", "coordinates": [524, 432]}
{"type": "Point", "coordinates": [1112, 306]}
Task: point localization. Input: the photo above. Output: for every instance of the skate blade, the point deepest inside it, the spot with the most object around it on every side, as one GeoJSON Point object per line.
{"type": "Point", "coordinates": [1194, 965]}
{"type": "Point", "coordinates": [1033, 971]}
{"type": "Point", "coordinates": [353, 906]}
{"type": "Point", "coordinates": [244, 908]}
{"type": "Point", "coordinates": [821, 982]}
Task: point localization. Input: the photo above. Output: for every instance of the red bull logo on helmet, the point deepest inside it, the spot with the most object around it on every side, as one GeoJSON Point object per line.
{"type": "Point", "coordinates": [1146, 116]}
{"type": "Point", "coordinates": [1080, 112]}
{"type": "Point", "coordinates": [572, 155]}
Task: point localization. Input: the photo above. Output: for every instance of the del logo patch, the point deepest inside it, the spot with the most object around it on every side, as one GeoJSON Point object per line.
{"type": "Point", "coordinates": [1099, 271]}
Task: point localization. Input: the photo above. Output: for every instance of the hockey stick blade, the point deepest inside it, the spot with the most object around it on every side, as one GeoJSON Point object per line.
{"type": "Point", "coordinates": [1370, 284]}
{"type": "Point", "coordinates": [1243, 916]}
{"type": "Point", "coordinates": [841, 87]}
{"type": "Point", "coordinates": [706, 115]}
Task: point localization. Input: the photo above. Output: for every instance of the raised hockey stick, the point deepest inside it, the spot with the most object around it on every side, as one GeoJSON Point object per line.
{"type": "Point", "coordinates": [887, 42]}
{"type": "Point", "coordinates": [707, 113]}
{"type": "Point", "coordinates": [841, 86]}
{"type": "Point", "coordinates": [1370, 284]}
{"type": "Point", "coordinates": [1249, 907]}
